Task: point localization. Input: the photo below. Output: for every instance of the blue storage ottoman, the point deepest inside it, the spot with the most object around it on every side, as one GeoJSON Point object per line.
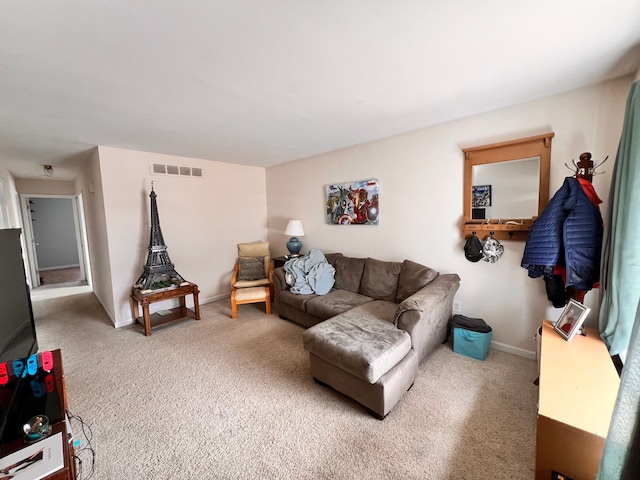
{"type": "Point", "coordinates": [471, 336]}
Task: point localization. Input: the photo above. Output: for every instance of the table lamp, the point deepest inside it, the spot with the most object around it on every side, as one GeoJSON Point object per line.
{"type": "Point", "coordinates": [294, 228]}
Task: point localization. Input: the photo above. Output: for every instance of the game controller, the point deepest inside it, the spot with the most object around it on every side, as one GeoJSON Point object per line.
{"type": "Point", "coordinates": [36, 388]}
{"type": "Point", "coordinates": [18, 368]}
{"type": "Point", "coordinates": [46, 359]}
{"type": "Point", "coordinates": [21, 367]}
{"type": "Point", "coordinates": [32, 364]}
{"type": "Point", "coordinates": [49, 383]}
{"type": "Point", "coordinates": [4, 374]}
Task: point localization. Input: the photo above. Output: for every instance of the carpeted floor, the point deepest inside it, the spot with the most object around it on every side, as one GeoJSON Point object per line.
{"type": "Point", "coordinates": [224, 399]}
{"type": "Point", "coordinates": [59, 275]}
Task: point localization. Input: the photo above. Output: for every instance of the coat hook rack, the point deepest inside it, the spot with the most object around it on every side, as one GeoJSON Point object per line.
{"type": "Point", "coordinates": [595, 167]}
{"type": "Point", "coordinates": [585, 168]}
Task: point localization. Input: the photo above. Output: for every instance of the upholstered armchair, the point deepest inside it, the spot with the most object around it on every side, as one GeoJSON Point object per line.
{"type": "Point", "coordinates": [252, 278]}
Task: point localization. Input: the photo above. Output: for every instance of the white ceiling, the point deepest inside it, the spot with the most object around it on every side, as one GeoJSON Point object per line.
{"type": "Point", "coordinates": [262, 82]}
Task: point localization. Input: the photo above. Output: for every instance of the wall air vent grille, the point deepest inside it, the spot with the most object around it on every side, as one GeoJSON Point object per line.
{"type": "Point", "coordinates": [159, 168]}
{"type": "Point", "coordinates": [177, 170]}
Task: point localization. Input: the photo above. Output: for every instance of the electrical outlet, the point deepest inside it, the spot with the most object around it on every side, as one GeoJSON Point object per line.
{"type": "Point", "coordinates": [456, 307]}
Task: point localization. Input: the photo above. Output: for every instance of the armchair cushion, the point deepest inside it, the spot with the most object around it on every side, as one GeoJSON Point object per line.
{"type": "Point", "coordinates": [263, 282]}
{"type": "Point", "coordinates": [251, 268]}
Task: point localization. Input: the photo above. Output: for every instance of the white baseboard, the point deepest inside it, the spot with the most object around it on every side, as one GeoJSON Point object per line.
{"type": "Point", "coordinates": [123, 323]}
{"type": "Point", "coordinates": [204, 300]}
{"type": "Point", "coordinates": [215, 298]}
{"type": "Point", "coordinates": [513, 350]}
{"type": "Point", "coordinates": [106, 310]}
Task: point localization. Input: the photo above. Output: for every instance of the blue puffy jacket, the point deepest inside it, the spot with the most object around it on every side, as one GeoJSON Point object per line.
{"type": "Point", "coordinates": [568, 231]}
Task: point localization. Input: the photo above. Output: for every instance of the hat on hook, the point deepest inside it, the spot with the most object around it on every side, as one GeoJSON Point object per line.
{"type": "Point", "coordinates": [492, 250]}
{"type": "Point", "coordinates": [473, 249]}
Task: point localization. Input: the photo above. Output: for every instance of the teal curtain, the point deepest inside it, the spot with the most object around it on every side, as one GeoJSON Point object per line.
{"type": "Point", "coordinates": [621, 456]}
{"type": "Point", "coordinates": [620, 293]}
{"type": "Point", "coordinates": [620, 278]}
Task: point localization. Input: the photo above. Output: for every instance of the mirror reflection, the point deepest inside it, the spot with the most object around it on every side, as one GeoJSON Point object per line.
{"type": "Point", "coordinates": [506, 189]}
{"type": "Point", "coordinates": [506, 186]}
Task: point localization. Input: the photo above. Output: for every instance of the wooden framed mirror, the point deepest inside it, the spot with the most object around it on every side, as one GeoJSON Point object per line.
{"type": "Point", "coordinates": [506, 187]}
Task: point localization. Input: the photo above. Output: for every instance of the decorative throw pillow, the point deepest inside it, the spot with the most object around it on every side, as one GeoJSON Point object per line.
{"type": "Point", "coordinates": [380, 279]}
{"type": "Point", "coordinates": [413, 277]}
{"type": "Point", "coordinates": [349, 273]}
{"type": "Point", "coordinates": [251, 268]}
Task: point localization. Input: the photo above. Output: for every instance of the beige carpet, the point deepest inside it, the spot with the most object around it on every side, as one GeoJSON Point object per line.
{"type": "Point", "coordinates": [224, 399]}
{"type": "Point", "coordinates": [59, 275]}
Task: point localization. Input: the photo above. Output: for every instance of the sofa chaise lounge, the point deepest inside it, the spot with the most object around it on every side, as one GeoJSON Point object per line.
{"type": "Point", "coordinates": [368, 335]}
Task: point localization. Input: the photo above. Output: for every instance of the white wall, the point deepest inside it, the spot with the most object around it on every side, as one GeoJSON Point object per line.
{"type": "Point", "coordinates": [12, 204]}
{"type": "Point", "coordinates": [421, 180]}
{"type": "Point", "coordinates": [11, 198]}
{"type": "Point", "coordinates": [202, 220]}
{"type": "Point", "coordinates": [44, 187]}
{"type": "Point", "coordinates": [89, 183]}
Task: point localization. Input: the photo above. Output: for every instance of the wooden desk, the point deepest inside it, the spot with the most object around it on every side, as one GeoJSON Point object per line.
{"type": "Point", "coordinates": [179, 313]}
{"type": "Point", "coordinates": [578, 391]}
{"type": "Point", "coordinates": [68, 471]}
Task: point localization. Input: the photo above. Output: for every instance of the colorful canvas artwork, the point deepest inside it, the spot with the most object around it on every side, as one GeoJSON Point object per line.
{"type": "Point", "coordinates": [353, 203]}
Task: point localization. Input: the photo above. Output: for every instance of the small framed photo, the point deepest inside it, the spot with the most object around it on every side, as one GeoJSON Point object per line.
{"type": "Point", "coordinates": [571, 319]}
{"type": "Point", "coordinates": [480, 196]}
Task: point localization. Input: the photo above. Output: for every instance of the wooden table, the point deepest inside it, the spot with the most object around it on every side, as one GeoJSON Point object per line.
{"type": "Point", "coordinates": [174, 315]}
{"type": "Point", "coordinates": [578, 391]}
{"type": "Point", "coordinates": [279, 261]}
{"type": "Point", "coordinates": [58, 425]}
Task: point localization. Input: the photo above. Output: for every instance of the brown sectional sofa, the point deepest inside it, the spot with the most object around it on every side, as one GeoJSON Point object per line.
{"type": "Point", "coordinates": [367, 336]}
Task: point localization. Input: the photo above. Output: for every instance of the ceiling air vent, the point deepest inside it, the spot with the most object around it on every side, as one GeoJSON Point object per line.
{"type": "Point", "coordinates": [177, 170]}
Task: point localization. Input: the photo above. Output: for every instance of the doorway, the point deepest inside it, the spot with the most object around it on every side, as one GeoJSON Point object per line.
{"type": "Point", "coordinates": [54, 240]}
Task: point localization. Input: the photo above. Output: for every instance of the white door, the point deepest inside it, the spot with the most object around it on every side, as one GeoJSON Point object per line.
{"type": "Point", "coordinates": [27, 219]}
{"type": "Point", "coordinates": [81, 232]}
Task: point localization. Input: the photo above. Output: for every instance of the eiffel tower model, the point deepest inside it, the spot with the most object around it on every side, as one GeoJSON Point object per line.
{"type": "Point", "coordinates": [159, 273]}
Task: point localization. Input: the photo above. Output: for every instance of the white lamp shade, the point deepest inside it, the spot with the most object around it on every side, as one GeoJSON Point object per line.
{"type": "Point", "coordinates": [294, 228]}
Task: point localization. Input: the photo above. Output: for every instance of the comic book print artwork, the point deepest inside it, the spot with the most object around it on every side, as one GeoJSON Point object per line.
{"type": "Point", "coordinates": [481, 196]}
{"type": "Point", "coordinates": [354, 203]}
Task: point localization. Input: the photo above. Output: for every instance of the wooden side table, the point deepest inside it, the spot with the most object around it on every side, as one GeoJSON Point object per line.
{"type": "Point", "coordinates": [56, 399]}
{"type": "Point", "coordinates": [173, 315]}
{"type": "Point", "coordinates": [577, 394]}
{"type": "Point", "coordinates": [279, 261]}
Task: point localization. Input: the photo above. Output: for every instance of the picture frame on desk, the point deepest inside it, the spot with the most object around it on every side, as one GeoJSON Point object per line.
{"type": "Point", "coordinates": [35, 461]}
{"type": "Point", "coordinates": [571, 319]}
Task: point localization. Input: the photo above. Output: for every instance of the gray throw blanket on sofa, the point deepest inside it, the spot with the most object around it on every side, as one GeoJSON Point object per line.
{"type": "Point", "coordinates": [310, 273]}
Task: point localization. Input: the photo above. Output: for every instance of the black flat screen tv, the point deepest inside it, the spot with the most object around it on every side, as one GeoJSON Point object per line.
{"type": "Point", "coordinates": [17, 325]}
